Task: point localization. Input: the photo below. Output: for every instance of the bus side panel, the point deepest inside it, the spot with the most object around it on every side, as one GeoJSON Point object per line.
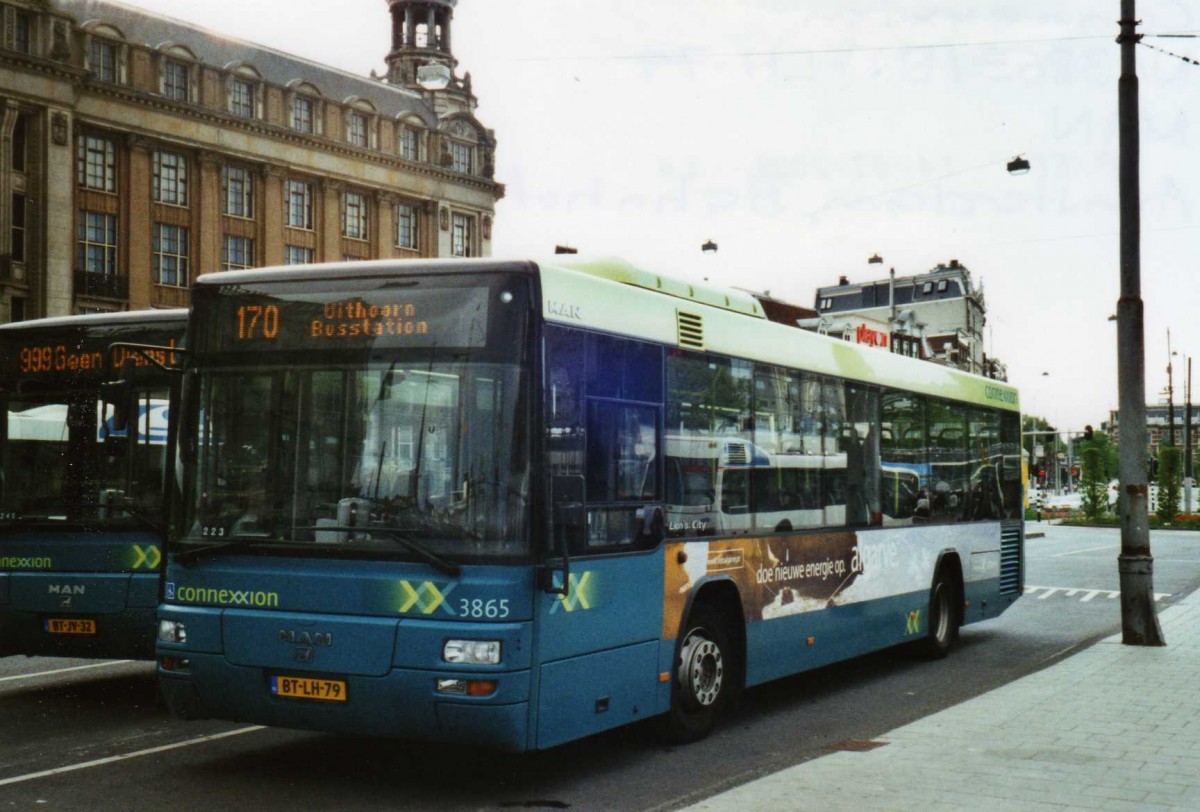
{"type": "Point", "coordinates": [790, 645]}
{"type": "Point", "coordinates": [598, 647]}
{"type": "Point", "coordinates": [812, 599]}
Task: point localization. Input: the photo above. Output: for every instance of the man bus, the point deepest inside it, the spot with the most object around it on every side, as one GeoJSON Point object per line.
{"type": "Point", "coordinates": [84, 469]}
{"type": "Point", "coordinates": [449, 501]}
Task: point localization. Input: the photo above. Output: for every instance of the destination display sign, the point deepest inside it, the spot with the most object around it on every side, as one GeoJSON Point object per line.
{"type": "Point", "coordinates": [70, 353]}
{"type": "Point", "coordinates": [452, 317]}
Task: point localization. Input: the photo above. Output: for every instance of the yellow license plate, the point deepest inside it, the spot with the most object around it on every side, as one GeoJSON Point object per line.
{"type": "Point", "coordinates": [326, 690]}
{"type": "Point", "coordinates": [70, 625]}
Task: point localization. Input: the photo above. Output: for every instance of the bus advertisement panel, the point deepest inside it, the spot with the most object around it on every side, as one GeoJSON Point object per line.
{"type": "Point", "coordinates": [85, 470]}
{"type": "Point", "coordinates": [514, 504]}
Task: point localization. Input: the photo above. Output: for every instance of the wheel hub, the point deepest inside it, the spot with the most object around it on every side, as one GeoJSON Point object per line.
{"type": "Point", "coordinates": [701, 670]}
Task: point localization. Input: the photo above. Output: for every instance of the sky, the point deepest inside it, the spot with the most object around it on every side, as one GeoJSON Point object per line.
{"type": "Point", "coordinates": [804, 137]}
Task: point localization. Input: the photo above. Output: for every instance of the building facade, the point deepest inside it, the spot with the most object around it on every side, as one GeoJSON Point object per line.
{"type": "Point", "coordinates": [1158, 421]}
{"type": "Point", "coordinates": [138, 151]}
{"type": "Point", "coordinates": [938, 316]}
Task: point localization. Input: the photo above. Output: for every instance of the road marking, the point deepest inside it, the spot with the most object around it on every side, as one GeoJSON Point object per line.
{"type": "Point", "coordinates": [138, 754]}
{"type": "Point", "coordinates": [64, 670]}
{"type": "Point", "coordinates": [1069, 592]}
{"type": "Point", "coordinates": [1087, 550]}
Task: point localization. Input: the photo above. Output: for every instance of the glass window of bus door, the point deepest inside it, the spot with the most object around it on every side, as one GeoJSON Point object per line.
{"type": "Point", "coordinates": [624, 397]}
{"type": "Point", "coordinates": [132, 439]}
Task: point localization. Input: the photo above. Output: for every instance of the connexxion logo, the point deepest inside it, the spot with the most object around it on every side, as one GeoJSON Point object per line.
{"type": "Point", "coordinates": [221, 597]}
{"type": "Point", "coordinates": [29, 563]}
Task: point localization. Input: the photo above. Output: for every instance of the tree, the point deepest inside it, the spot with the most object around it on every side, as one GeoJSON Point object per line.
{"type": "Point", "coordinates": [1094, 482]}
{"type": "Point", "coordinates": [1169, 464]}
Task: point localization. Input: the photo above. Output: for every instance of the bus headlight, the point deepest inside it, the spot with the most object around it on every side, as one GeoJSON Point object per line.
{"type": "Point", "coordinates": [171, 631]}
{"type": "Point", "coordinates": [472, 652]}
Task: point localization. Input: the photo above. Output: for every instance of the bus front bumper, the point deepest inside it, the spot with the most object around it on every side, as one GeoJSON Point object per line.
{"type": "Point", "coordinates": [403, 703]}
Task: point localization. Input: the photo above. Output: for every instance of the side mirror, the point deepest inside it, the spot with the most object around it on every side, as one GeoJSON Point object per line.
{"type": "Point", "coordinates": [117, 395]}
{"type": "Point", "coordinates": [567, 499]}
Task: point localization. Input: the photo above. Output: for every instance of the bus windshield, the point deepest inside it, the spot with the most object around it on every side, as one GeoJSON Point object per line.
{"type": "Point", "coordinates": [68, 456]}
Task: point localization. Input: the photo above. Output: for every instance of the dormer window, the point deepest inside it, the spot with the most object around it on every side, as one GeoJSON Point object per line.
{"type": "Point", "coordinates": [241, 98]}
{"type": "Point", "coordinates": [409, 144]}
{"type": "Point", "coordinates": [941, 286]}
{"type": "Point", "coordinates": [20, 34]}
{"type": "Point", "coordinates": [357, 130]}
{"type": "Point", "coordinates": [176, 81]}
{"type": "Point", "coordinates": [927, 288]}
{"type": "Point", "coordinates": [462, 157]}
{"type": "Point", "coordinates": [102, 60]}
{"type": "Point", "coordinates": [302, 114]}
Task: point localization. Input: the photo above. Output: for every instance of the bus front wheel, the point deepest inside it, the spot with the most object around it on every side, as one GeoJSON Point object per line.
{"type": "Point", "coordinates": [704, 677]}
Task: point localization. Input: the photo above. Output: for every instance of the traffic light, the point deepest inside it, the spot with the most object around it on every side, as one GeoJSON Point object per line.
{"type": "Point", "coordinates": [1088, 433]}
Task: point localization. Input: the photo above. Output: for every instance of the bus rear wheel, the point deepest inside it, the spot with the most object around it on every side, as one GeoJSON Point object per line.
{"type": "Point", "coordinates": [944, 618]}
{"type": "Point", "coordinates": [704, 677]}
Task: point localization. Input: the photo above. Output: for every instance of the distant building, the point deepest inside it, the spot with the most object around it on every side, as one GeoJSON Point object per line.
{"type": "Point", "coordinates": [1157, 421]}
{"type": "Point", "coordinates": [138, 151]}
{"type": "Point", "coordinates": [938, 316]}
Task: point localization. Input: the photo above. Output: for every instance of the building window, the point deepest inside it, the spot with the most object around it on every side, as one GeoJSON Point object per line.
{"type": "Point", "coordinates": [410, 145]}
{"type": "Point", "coordinates": [97, 243]}
{"type": "Point", "coordinates": [97, 163]}
{"type": "Point", "coordinates": [176, 81]}
{"type": "Point", "coordinates": [237, 191]}
{"type": "Point", "coordinates": [298, 205]}
{"type": "Point", "coordinates": [297, 255]}
{"type": "Point", "coordinates": [241, 98]}
{"type": "Point", "coordinates": [461, 157]}
{"type": "Point", "coordinates": [170, 255]}
{"type": "Point", "coordinates": [170, 179]}
{"type": "Point", "coordinates": [357, 129]}
{"type": "Point", "coordinates": [461, 236]}
{"type": "Point", "coordinates": [18, 228]}
{"type": "Point", "coordinates": [21, 38]}
{"type": "Point", "coordinates": [16, 309]}
{"type": "Point", "coordinates": [406, 225]}
{"type": "Point", "coordinates": [18, 142]}
{"type": "Point", "coordinates": [237, 253]}
{"type": "Point", "coordinates": [354, 216]}
{"type": "Point", "coordinates": [102, 60]}
{"type": "Point", "coordinates": [302, 114]}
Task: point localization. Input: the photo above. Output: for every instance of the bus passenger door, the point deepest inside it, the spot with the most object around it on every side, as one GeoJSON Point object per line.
{"type": "Point", "coordinates": [598, 639]}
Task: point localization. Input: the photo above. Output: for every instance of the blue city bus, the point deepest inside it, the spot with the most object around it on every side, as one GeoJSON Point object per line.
{"type": "Point", "coordinates": [84, 468]}
{"type": "Point", "coordinates": [516, 503]}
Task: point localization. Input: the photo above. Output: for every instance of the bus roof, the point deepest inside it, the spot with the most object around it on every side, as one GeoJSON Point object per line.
{"type": "Point", "coordinates": [615, 296]}
{"type": "Point", "coordinates": [124, 317]}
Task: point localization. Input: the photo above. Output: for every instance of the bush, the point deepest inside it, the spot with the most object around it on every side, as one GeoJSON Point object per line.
{"type": "Point", "coordinates": [1169, 459]}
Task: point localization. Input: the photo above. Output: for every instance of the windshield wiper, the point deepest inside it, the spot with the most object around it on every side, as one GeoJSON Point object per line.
{"type": "Point", "coordinates": [402, 538]}
{"type": "Point", "coordinates": [194, 553]}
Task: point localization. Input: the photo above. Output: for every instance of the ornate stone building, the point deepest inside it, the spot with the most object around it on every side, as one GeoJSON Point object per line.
{"type": "Point", "coordinates": [138, 151]}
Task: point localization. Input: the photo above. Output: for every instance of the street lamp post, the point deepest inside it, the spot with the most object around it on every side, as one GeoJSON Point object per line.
{"type": "Point", "coordinates": [1139, 621]}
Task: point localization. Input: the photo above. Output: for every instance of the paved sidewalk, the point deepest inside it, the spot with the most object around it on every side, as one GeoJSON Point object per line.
{"type": "Point", "coordinates": [1113, 727]}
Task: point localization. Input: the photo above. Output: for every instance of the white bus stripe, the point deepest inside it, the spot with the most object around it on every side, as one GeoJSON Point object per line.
{"type": "Point", "coordinates": [1050, 590]}
{"type": "Point", "coordinates": [137, 754]}
{"type": "Point", "coordinates": [64, 670]}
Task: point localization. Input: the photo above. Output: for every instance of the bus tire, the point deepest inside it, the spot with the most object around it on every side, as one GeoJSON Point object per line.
{"type": "Point", "coordinates": [944, 617]}
{"type": "Point", "coordinates": [704, 680]}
